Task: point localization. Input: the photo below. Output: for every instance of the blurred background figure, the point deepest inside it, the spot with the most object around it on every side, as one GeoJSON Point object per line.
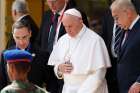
{"type": "Point", "coordinates": [22, 34]}
{"type": "Point", "coordinates": [20, 12]}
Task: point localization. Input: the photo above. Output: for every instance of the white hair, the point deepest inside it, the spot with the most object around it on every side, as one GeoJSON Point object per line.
{"type": "Point", "coordinates": [123, 4]}
{"type": "Point", "coordinates": [20, 6]}
{"type": "Point", "coordinates": [73, 12]}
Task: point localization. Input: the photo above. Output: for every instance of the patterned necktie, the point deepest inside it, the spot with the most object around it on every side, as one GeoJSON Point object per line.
{"type": "Point", "coordinates": [52, 33]}
{"type": "Point", "coordinates": [117, 39]}
{"type": "Point", "coordinates": [125, 37]}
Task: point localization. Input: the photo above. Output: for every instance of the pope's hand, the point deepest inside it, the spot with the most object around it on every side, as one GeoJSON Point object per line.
{"type": "Point", "coordinates": [65, 68]}
{"type": "Point", "coordinates": [135, 88]}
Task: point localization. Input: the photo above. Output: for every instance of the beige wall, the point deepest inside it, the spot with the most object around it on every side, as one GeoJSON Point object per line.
{"type": "Point", "coordinates": [2, 24]}
{"type": "Point", "coordinates": [8, 19]}
{"type": "Point", "coordinates": [35, 7]}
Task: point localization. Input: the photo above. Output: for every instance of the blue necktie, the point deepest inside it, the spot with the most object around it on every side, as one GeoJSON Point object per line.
{"type": "Point", "coordinates": [52, 33]}
{"type": "Point", "coordinates": [117, 39]}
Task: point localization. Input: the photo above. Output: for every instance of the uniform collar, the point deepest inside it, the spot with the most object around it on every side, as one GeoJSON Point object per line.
{"type": "Point", "coordinates": [21, 84]}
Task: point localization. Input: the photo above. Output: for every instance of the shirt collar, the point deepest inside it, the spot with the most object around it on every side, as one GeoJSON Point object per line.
{"type": "Point", "coordinates": [133, 23]}
{"type": "Point", "coordinates": [22, 17]}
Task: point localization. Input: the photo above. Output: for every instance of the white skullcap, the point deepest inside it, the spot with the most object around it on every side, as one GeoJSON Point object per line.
{"type": "Point", "coordinates": [73, 12]}
{"type": "Point", "coordinates": [52, 0]}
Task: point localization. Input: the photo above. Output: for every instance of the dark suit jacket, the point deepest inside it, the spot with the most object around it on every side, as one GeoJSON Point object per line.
{"type": "Point", "coordinates": [107, 33]}
{"type": "Point", "coordinates": [107, 29]}
{"type": "Point", "coordinates": [3, 74]}
{"type": "Point", "coordinates": [37, 72]}
{"type": "Point", "coordinates": [34, 30]}
{"type": "Point", "coordinates": [128, 68]}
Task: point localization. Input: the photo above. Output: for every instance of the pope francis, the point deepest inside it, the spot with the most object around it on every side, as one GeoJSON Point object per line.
{"type": "Point", "coordinates": [80, 57]}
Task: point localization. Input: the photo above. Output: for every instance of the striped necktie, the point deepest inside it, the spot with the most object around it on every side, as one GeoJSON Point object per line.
{"type": "Point", "coordinates": [117, 39]}
{"type": "Point", "coordinates": [52, 33]}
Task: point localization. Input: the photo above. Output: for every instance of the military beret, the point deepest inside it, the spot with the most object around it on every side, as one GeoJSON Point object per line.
{"type": "Point", "coordinates": [16, 55]}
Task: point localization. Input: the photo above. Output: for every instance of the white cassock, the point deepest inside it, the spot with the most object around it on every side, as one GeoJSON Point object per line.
{"type": "Point", "coordinates": [88, 54]}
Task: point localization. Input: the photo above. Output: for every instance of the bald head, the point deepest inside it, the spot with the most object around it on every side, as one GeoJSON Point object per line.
{"type": "Point", "coordinates": [123, 4]}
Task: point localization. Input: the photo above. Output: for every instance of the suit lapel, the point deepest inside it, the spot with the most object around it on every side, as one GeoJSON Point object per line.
{"type": "Point", "coordinates": [131, 35]}
{"type": "Point", "coordinates": [62, 31]}
{"type": "Point", "coordinates": [126, 41]}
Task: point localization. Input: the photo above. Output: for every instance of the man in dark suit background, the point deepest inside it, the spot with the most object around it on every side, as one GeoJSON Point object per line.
{"type": "Point", "coordinates": [108, 28]}
{"type": "Point", "coordinates": [22, 34]}
{"type": "Point", "coordinates": [56, 6]}
{"type": "Point", "coordinates": [107, 35]}
{"type": "Point", "coordinates": [20, 12]}
{"type": "Point", "coordinates": [53, 85]}
{"type": "Point", "coordinates": [128, 67]}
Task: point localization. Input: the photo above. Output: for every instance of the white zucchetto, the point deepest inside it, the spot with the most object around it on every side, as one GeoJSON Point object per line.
{"type": "Point", "coordinates": [73, 12]}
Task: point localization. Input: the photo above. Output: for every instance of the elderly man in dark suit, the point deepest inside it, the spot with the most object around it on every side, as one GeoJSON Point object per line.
{"type": "Point", "coordinates": [108, 34]}
{"type": "Point", "coordinates": [20, 12]}
{"type": "Point", "coordinates": [128, 67]}
{"type": "Point", "coordinates": [50, 31]}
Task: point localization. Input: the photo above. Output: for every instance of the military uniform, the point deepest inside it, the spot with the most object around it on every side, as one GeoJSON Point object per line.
{"type": "Point", "coordinates": [38, 67]}
{"type": "Point", "coordinates": [22, 87]}
{"type": "Point", "coordinates": [20, 82]}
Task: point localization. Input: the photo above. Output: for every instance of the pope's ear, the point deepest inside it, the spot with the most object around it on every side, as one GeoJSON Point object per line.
{"type": "Point", "coordinates": [30, 33]}
{"type": "Point", "coordinates": [81, 20]}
